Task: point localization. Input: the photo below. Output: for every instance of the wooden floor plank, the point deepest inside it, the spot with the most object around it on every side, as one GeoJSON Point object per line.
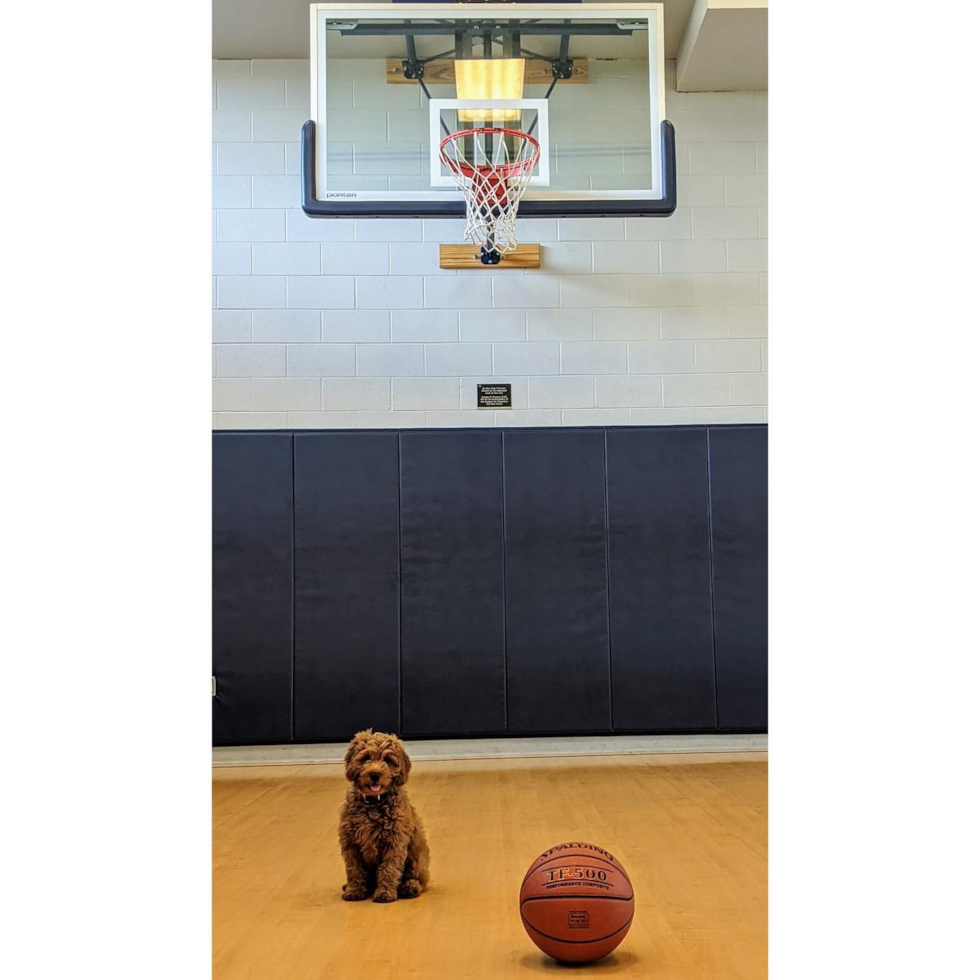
{"type": "Point", "coordinates": [691, 836]}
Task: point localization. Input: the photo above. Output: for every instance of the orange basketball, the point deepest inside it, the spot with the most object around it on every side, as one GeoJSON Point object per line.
{"type": "Point", "coordinates": [576, 902]}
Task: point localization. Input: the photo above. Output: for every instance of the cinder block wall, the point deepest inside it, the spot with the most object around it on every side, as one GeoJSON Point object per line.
{"type": "Point", "coordinates": [351, 324]}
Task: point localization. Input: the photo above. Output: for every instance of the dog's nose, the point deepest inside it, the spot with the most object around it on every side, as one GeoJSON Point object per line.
{"type": "Point", "coordinates": [375, 776]}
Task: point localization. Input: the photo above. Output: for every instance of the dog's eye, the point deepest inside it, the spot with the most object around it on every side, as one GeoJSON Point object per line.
{"type": "Point", "coordinates": [365, 759]}
{"type": "Point", "coordinates": [391, 762]}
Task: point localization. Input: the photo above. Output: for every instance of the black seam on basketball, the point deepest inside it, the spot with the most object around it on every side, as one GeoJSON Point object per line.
{"type": "Point", "coordinates": [577, 942]}
{"type": "Point", "coordinates": [582, 857]}
{"type": "Point", "coordinates": [586, 898]}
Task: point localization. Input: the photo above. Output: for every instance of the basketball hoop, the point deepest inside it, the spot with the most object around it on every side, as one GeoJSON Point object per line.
{"type": "Point", "coordinates": [492, 183]}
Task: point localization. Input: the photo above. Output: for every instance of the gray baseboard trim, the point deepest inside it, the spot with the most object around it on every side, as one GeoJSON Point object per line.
{"type": "Point", "coordinates": [501, 748]}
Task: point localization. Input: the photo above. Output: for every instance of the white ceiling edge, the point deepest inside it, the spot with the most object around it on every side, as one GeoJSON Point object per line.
{"type": "Point", "coordinates": [725, 47]}
{"type": "Point", "coordinates": [280, 29]}
{"type": "Point", "coordinates": [722, 48]}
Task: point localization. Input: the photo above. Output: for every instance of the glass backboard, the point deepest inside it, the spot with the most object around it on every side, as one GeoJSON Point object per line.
{"type": "Point", "coordinates": [388, 82]}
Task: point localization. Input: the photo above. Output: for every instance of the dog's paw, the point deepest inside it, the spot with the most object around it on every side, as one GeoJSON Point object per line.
{"type": "Point", "coordinates": [385, 896]}
{"type": "Point", "coordinates": [354, 894]}
{"type": "Point", "coordinates": [410, 888]}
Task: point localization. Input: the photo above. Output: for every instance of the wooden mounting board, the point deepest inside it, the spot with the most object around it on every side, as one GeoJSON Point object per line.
{"type": "Point", "coordinates": [443, 72]}
{"type": "Point", "coordinates": [468, 257]}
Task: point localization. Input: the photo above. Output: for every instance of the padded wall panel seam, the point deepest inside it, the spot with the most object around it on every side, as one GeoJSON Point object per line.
{"type": "Point", "coordinates": [557, 638]}
{"type": "Point", "coordinates": [711, 571]}
{"type": "Point", "coordinates": [347, 594]}
{"type": "Point", "coordinates": [503, 575]}
{"type": "Point", "coordinates": [660, 602]}
{"type": "Point", "coordinates": [609, 595]}
{"type": "Point", "coordinates": [292, 590]}
{"type": "Point", "coordinates": [452, 598]}
{"type": "Point", "coordinates": [399, 729]}
{"type": "Point", "coordinates": [252, 587]}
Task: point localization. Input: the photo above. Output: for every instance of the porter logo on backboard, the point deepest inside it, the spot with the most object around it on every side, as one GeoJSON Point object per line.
{"type": "Point", "coordinates": [493, 396]}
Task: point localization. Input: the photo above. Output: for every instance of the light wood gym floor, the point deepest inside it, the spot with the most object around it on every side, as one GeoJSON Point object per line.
{"type": "Point", "coordinates": [692, 836]}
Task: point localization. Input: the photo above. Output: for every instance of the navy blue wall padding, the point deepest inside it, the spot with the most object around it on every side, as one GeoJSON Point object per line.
{"type": "Point", "coordinates": [252, 554]}
{"type": "Point", "coordinates": [660, 581]}
{"type": "Point", "coordinates": [452, 583]}
{"type": "Point", "coordinates": [479, 582]}
{"type": "Point", "coordinates": [346, 487]}
{"type": "Point", "coordinates": [738, 465]}
{"type": "Point", "coordinates": [557, 615]}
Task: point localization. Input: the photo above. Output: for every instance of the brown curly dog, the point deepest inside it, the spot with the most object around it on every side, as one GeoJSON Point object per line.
{"type": "Point", "coordinates": [381, 836]}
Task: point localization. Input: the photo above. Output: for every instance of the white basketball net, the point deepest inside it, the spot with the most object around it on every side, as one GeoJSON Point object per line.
{"type": "Point", "coordinates": [493, 177]}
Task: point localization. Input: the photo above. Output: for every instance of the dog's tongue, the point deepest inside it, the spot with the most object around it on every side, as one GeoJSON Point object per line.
{"type": "Point", "coordinates": [376, 788]}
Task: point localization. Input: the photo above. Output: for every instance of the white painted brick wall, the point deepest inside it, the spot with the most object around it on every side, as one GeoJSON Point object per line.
{"type": "Point", "coordinates": [345, 324]}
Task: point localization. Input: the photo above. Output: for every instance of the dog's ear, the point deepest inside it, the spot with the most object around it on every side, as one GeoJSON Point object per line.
{"type": "Point", "coordinates": [404, 763]}
{"type": "Point", "coordinates": [357, 744]}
